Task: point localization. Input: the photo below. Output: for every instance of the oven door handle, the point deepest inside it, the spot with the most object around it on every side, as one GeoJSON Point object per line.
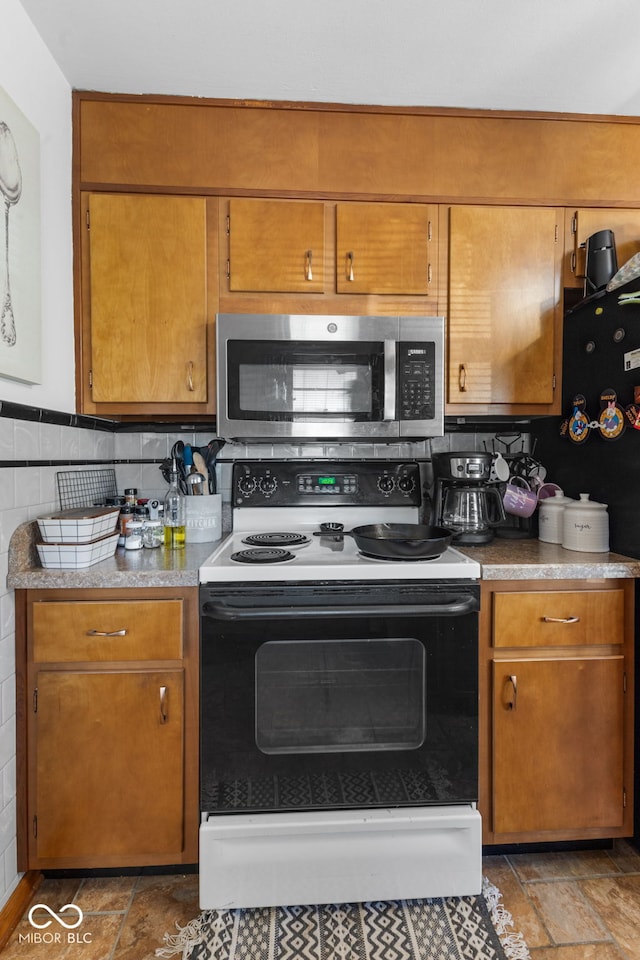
{"type": "Point", "coordinates": [457, 608]}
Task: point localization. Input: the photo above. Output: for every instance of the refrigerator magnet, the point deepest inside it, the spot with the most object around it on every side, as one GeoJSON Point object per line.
{"type": "Point", "coordinates": [578, 421]}
{"type": "Point", "coordinates": [612, 419]}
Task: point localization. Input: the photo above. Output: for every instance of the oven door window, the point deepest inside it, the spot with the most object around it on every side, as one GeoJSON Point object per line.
{"type": "Point", "coordinates": [314, 382]}
{"type": "Point", "coordinates": [328, 696]}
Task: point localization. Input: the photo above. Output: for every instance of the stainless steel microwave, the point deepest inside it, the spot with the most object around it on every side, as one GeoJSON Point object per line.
{"type": "Point", "coordinates": [329, 377]}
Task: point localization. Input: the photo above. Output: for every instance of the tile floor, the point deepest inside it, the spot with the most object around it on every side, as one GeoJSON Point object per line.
{"type": "Point", "coordinates": [569, 906]}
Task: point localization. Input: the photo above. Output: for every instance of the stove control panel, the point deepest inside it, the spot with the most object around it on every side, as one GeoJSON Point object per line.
{"type": "Point", "coordinates": [285, 483]}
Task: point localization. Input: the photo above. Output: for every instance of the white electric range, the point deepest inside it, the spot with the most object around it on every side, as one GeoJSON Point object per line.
{"type": "Point", "coordinates": [339, 696]}
{"type": "Point", "coordinates": [279, 509]}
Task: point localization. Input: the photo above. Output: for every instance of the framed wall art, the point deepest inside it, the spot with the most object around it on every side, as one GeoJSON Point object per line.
{"type": "Point", "coordinates": [20, 314]}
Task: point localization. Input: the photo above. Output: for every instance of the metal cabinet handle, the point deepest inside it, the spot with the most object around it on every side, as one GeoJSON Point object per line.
{"type": "Point", "coordinates": [561, 619]}
{"type": "Point", "coordinates": [513, 680]}
{"type": "Point", "coordinates": [350, 275]}
{"type": "Point", "coordinates": [190, 376]}
{"type": "Point", "coordinates": [164, 706]}
{"type": "Point", "coordinates": [106, 633]}
{"type": "Point", "coordinates": [308, 272]}
{"type": "Point", "coordinates": [462, 378]}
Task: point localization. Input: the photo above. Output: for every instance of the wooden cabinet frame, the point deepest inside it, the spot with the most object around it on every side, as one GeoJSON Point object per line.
{"type": "Point", "coordinates": [489, 654]}
{"type": "Point", "coordinates": [188, 666]}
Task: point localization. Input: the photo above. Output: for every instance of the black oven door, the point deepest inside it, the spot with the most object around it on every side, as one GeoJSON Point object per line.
{"type": "Point", "coordinates": [335, 696]}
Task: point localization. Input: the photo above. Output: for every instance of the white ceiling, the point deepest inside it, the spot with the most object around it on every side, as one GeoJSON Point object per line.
{"type": "Point", "coordinates": [576, 56]}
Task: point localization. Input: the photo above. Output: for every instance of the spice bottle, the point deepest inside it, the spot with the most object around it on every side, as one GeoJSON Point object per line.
{"type": "Point", "coordinates": [175, 511]}
{"type": "Point", "coordinates": [131, 496]}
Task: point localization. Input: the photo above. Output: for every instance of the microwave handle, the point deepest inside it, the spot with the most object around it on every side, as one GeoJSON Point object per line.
{"type": "Point", "coordinates": [389, 380]}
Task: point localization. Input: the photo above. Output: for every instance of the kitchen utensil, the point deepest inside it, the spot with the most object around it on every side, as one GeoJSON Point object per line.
{"type": "Point", "coordinates": [585, 526]}
{"type": "Point", "coordinates": [196, 485]}
{"type": "Point", "coordinates": [471, 508]}
{"type": "Point", "coordinates": [519, 499]}
{"type": "Point", "coordinates": [211, 452]}
{"type": "Point", "coordinates": [400, 541]}
{"type": "Point", "coordinates": [201, 467]}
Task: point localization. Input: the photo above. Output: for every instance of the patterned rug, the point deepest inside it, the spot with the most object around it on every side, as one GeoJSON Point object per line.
{"type": "Point", "coordinates": [452, 928]}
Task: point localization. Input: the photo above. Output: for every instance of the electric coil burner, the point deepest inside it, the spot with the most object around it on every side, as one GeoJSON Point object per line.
{"type": "Point", "coordinates": [262, 555]}
{"type": "Point", "coordinates": [339, 698]}
{"type": "Point", "coordinates": [276, 540]}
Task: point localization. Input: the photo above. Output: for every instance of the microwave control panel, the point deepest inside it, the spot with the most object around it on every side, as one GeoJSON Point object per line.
{"type": "Point", "coordinates": [295, 483]}
{"type": "Point", "coordinates": [416, 380]}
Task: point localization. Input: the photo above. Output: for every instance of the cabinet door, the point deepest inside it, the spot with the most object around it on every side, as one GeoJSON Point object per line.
{"type": "Point", "coordinates": [148, 296]}
{"type": "Point", "coordinates": [557, 744]}
{"type": "Point", "coordinates": [584, 223]}
{"type": "Point", "coordinates": [504, 268]}
{"type": "Point", "coordinates": [385, 248]}
{"type": "Point", "coordinates": [276, 245]}
{"type": "Point", "coordinates": [108, 764]}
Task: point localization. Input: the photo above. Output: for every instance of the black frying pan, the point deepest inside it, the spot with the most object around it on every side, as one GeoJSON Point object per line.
{"type": "Point", "coordinates": [394, 541]}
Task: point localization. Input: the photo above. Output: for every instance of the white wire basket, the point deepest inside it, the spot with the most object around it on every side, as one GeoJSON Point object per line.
{"type": "Point", "coordinates": [81, 525]}
{"type": "Point", "coordinates": [75, 556]}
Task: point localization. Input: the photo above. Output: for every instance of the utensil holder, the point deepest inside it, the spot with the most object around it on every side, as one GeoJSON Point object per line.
{"type": "Point", "coordinates": [204, 518]}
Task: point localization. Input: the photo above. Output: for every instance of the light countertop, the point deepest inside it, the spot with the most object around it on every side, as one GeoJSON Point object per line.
{"type": "Point", "coordinates": [500, 560]}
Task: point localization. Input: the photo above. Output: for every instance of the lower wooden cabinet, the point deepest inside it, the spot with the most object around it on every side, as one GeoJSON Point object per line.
{"type": "Point", "coordinates": [110, 728]}
{"type": "Point", "coordinates": [556, 710]}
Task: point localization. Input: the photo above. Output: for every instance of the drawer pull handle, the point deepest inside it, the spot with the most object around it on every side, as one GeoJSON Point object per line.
{"type": "Point", "coordinates": [513, 680]}
{"type": "Point", "coordinates": [561, 619]}
{"type": "Point", "coordinates": [164, 709]}
{"type": "Point", "coordinates": [106, 633]}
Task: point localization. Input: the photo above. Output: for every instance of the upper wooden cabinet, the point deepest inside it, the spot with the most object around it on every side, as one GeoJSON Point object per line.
{"type": "Point", "coordinates": [147, 313]}
{"type": "Point", "coordinates": [385, 248]}
{"type": "Point", "coordinates": [504, 309]}
{"type": "Point", "coordinates": [276, 246]}
{"type": "Point", "coordinates": [294, 255]}
{"type": "Point", "coordinates": [582, 224]}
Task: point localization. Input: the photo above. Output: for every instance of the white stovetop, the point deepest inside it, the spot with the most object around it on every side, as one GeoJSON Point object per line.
{"type": "Point", "coordinates": [325, 559]}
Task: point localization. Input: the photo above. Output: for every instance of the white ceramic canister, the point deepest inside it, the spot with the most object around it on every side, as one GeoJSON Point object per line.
{"type": "Point", "coordinates": [585, 526]}
{"type": "Point", "coordinates": [551, 517]}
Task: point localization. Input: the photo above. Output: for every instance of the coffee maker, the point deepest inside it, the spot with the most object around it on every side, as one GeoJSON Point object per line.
{"type": "Point", "coordinates": [465, 499]}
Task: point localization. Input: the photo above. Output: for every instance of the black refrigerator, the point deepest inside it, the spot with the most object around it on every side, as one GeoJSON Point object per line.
{"type": "Point", "coordinates": [600, 337]}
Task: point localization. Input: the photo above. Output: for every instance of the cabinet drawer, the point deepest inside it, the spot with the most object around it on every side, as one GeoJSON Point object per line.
{"type": "Point", "coordinates": [558, 619]}
{"type": "Point", "coordinates": [107, 630]}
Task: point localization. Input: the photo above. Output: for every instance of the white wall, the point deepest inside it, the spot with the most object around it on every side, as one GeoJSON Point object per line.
{"type": "Point", "coordinates": [31, 78]}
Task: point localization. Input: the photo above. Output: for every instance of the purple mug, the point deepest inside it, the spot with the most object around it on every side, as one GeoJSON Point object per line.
{"type": "Point", "coordinates": [519, 499]}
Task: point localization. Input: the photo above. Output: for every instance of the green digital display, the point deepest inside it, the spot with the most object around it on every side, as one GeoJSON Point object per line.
{"type": "Point", "coordinates": [326, 481]}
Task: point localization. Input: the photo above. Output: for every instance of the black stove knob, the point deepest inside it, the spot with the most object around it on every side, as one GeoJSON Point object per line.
{"type": "Point", "coordinates": [246, 486]}
{"type": "Point", "coordinates": [385, 484]}
{"type": "Point", "coordinates": [268, 485]}
{"type": "Point", "coordinates": [406, 484]}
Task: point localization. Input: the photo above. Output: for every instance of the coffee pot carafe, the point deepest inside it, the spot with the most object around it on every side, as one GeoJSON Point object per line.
{"type": "Point", "coordinates": [465, 500]}
{"type": "Point", "coordinates": [471, 512]}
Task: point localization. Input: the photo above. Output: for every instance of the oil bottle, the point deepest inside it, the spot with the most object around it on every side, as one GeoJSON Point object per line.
{"type": "Point", "coordinates": [175, 510]}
